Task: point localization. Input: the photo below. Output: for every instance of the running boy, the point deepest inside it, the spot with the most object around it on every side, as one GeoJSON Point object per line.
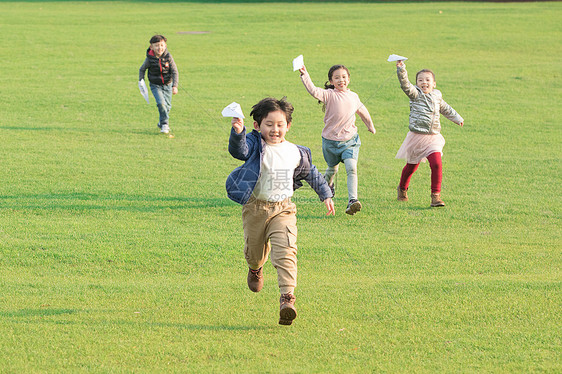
{"type": "Point", "coordinates": [264, 184]}
{"type": "Point", "coordinates": [163, 78]}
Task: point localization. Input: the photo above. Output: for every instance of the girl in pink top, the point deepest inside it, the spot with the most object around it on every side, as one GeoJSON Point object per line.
{"type": "Point", "coordinates": [340, 141]}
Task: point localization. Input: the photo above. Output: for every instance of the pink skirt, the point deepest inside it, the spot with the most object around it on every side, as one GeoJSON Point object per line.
{"type": "Point", "coordinates": [416, 147]}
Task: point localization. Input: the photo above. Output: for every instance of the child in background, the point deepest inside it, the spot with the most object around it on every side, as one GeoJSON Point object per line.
{"type": "Point", "coordinates": [163, 78]}
{"type": "Point", "coordinates": [340, 140]}
{"type": "Point", "coordinates": [424, 140]}
{"type": "Point", "coordinates": [264, 184]}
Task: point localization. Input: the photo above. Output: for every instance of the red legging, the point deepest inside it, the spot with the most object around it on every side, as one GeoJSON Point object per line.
{"type": "Point", "coordinates": [436, 173]}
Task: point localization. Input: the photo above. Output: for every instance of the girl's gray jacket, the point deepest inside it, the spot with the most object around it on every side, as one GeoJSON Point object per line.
{"type": "Point", "coordinates": [425, 108]}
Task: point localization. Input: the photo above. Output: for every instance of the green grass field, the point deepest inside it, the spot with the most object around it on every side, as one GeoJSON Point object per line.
{"type": "Point", "coordinates": [120, 252]}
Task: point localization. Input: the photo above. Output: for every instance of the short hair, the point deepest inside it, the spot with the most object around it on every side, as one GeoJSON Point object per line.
{"type": "Point", "coordinates": [425, 71]}
{"type": "Point", "coordinates": [158, 38]}
{"type": "Point", "coordinates": [270, 104]}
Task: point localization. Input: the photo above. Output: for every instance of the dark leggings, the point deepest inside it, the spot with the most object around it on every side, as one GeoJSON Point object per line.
{"type": "Point", "coordinates": [436, 173]}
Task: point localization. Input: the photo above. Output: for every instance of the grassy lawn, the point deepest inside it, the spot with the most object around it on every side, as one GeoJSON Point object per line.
{"type": "Point", "coordinates": [120, 252]}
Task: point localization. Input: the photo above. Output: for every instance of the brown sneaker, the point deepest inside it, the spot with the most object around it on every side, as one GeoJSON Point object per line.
{"type": "Point", "coordinates": [255, 279]}
{"type": "Point", "coordinates": [402, 194]}
{"type": "Point", "coordinates": [436, 200]}
{"type": "Point", "coordinates": [287, 311]}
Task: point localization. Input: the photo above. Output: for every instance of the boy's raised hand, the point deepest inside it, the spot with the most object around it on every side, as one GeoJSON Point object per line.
{"type": "Point", "coordinates": [399, 63]}
{"type": "Point", "coordinates": [303, 70]}
{"type": "Point", "coordinates": [238, 124]}
{"type": "Point", "coordinates": [330, 205]}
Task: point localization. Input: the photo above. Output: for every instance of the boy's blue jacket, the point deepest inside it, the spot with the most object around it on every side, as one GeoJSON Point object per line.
{"type": "Point", "coordinates": [249, 148]}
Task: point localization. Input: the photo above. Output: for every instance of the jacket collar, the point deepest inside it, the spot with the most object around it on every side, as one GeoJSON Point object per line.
{"type": "Point", "coordinates": [150, 53]}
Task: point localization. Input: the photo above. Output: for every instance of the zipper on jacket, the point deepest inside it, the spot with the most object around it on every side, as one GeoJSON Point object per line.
{"type": "Point", "coordinates": [160, 65]}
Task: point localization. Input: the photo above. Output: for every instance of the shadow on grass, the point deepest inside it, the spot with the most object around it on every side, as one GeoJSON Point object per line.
{"type": "Point", "coordinates": [31, 128]}
{"type": "Point", "coordinates": [269, 1]}
{"type": "Point", "coordinates": [418, 208]}
{"type": "Point", "coordinates": [22, 315]}
{"type": "Point", "coordinates": [80, 201]}
{"type": "Point", "coordinates": [133, 129]}
{"type": "Point", "coordinates": [223, 1]}
{"type": "Point", "coordinates": [37, 312]}
{"type": "Point", "coordinates": [274, 1]}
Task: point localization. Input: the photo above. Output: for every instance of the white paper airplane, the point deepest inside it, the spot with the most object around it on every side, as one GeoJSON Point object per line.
{"type": "Point", "coordinates": [298, 63]}
{"type": "Point", "coordinates": [396, 58]}
{"type": "Point", "coordinates": [233, 110]}
{"type": "Point", "coordinates": [143, 90]}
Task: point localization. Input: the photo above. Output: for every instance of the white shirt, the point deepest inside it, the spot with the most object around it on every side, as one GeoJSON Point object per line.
{"type": "Point", "coordinates": [277, 168]}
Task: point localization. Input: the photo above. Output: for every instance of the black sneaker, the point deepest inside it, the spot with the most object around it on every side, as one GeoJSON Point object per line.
{"type": "Point", "coordinates": [353, 207]}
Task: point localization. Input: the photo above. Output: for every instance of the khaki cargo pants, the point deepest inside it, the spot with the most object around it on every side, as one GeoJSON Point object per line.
{"type": "Point", "coordinates": [271, 228]}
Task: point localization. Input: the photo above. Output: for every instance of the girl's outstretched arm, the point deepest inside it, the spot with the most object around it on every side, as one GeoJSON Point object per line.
{"type": "Point", "coordinates": [451, 114]}
{"type": "Point", "coordinates": [366, 118]}
{"type": "Point", "coordinates": [316, 92]}
{"type": "Point", "coordinates": [408, 88]}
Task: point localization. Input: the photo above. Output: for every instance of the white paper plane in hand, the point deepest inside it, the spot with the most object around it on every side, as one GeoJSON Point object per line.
{"type": "Point", "coordinates": [233, 110]}
{"type": "Point", "coordinates": [396, 58]}
{"type": "Point", "coordinates": [143, 90]}
{"type": "Point", "coordinates": [298, 63]}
